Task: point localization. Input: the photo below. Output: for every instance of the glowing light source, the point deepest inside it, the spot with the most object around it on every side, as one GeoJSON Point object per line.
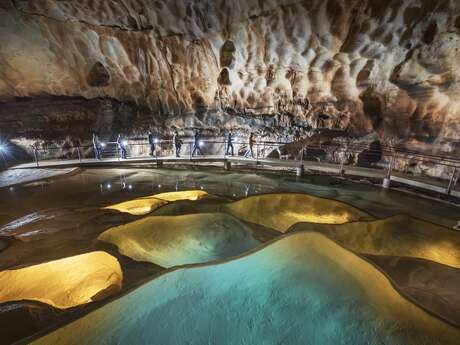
{"type": "Point", "coordinates": [156, 141]}
{"type": "Point", "coordinates": [281, 211]}
{"type": "Point", "coordinates": [124, 142]}
{"type": "Point", "coordinates": [64, 283]}
{"type": "Point", "coordinates": [182, 195]}
{"type": "Point", "coordinates": [138, 207]}
{"type": "Point", "coordinates": [109, 186]}
{"type": "Point", "coordinates": [146, 205]}
{"type": "Point", "coordinates": [201, 143]}
{"type": "Point", "coordinates": [2, 148]}
{"type": "Point", "coordinates": [102, 144]}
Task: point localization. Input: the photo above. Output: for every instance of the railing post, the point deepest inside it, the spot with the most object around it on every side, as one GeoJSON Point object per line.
{"type": "Point", "coordinates": [453, 181]}
{"type": "Point", "coordinates": [79, 153]}
{"type": "Point", "coordinates": [190, 145]}
{"type": "Point", "coordinates": [387, 180]}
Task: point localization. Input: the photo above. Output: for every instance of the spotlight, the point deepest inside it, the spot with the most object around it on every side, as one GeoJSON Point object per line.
{"type": "Point", "coordinates": [102, 144]}
{"type": "Point", "coordinates": [124, 142]}
{"type": "Point", "coordinates": [159, 186]}
{"type": "Point", "coordinates": [109, 186]}
{"type": "Point", "coordinates": [156, 141]}
{"type": "Point", "coordinates": [201, 143]}
{"type": "Point", "coordinates": [2, 148]}
{"type": "Point", "coordinates": [130, 187]}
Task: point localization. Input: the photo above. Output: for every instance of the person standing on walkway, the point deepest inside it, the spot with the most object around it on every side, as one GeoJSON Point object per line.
{"type": "Point", "coordinates": [196, 143]}
{"type": "Point", "coordinates": [121, 147]}
{"type": "Point", "coordinates": [177, 142]}
{"type": "Point", "coordinates": [250, 150]}
{"type": "Point", "coordinates": [230, 143]}
{"type": "Point", "coordinates": [152, 142]}
{"type": "Point", "coordinates": [96, 146]}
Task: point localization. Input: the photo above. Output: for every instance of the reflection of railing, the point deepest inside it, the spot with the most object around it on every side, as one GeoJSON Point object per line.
{"type": "Point", "coordinates": [343, 155]}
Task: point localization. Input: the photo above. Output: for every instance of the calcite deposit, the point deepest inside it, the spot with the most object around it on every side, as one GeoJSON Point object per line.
{"type": "Point", "coordinates": [385, 70]}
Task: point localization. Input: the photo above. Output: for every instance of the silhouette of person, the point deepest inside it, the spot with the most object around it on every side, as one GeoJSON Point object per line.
{"type": "Point", "coordinates": [121, 147]}
{"type": "Point", "coordinates": [196, 143]}
{"type": "Point", "coordinates": [230, 143]}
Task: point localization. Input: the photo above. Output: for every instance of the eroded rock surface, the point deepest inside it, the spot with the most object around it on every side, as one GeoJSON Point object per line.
{"type": "Point", "coordinates": [386, 69]}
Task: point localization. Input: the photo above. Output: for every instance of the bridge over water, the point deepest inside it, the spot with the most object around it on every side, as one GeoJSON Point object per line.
{"type": "Point", "coordinates": [297, 163]}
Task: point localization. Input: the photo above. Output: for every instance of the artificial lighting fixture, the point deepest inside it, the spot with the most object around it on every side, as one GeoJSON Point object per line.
{"type": "Point", "coordinates": [124, 142]}
{"type": "Point", "coordinates": [156, 141]}
{"type": "Point", "coordinates": [201, 143]}
{"type": "Point", "coordinates": [109, 186]}
{"type": "Point", "coordinates": [102, 144]}
{"type": "Point", "coordinates": [2, 148]}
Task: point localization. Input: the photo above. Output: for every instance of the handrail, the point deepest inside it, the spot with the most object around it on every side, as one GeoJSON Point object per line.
{"type": "Point", "coordinates": [341, 153]}
{"type": "Point", "coordinates": [348, 147]}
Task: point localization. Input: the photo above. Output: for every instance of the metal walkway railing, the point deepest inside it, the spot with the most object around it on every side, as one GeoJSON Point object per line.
{"type": "Point", "coordinates": [392, 164]}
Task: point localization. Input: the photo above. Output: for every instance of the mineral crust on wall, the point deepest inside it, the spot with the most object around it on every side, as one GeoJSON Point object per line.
{"type": "Point", "coordinates": [385, 70]}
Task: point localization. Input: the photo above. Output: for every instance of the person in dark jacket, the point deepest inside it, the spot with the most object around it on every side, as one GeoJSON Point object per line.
{"type": "Point", "coordinates": [230, 143]}
{"type": "Point", "coordinates": [152, 142]}
{"type": "Point", "coordinates": [96, 146]}
{"type": "Point", "coordinates": [177, 142]}
{"type": "Point", "coordinates": [196, 143]}
{"type": "Point", "coordinates": [121, 147]}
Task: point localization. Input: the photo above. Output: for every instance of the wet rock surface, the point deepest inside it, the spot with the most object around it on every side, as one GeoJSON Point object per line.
{"type": "Point", "coordinates": [429, 284]}
{"type": "Point", "coordinates": [45, 224]}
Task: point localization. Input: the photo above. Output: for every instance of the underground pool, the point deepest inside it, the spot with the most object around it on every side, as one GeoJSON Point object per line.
{"type": "Point", "coordinates": [205, 256]}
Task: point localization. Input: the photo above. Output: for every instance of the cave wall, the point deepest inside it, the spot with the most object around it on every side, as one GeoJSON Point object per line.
{"type": "Point", "coordinates": [385, 69]}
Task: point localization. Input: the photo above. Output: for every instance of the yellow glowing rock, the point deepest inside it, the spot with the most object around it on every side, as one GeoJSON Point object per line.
{"type": "Point", "coordinates": [176, 240]}
{"type": "Point", "coordinates": [281, 211]}
{"type": "Point", "coordinates": [148, 204]}
{"type": "Point", "coordinates": [182, 195]}
{"type": "Point", "coordinates": [395, 236]}
{"type": "Point", "coordinates": [304, 281]}
{"type": "Point", "coordinates": [64, 283]}
{"type": "Point", "coordinates": [138, 207]}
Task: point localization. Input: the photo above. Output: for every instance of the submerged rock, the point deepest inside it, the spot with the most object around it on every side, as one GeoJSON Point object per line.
{"type": "Point", "coordinates": [64, 283]}
{"type": "Point", "coordinates": [177, 240]}
{"type": "Point", "coordinates": [281, 211]}
{"type": "Point", "coordinates": [395, 236]}
{"type": "Point", "coordinates": [302, 288]}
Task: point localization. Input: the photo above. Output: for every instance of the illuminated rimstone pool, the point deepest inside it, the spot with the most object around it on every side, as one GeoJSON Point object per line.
{"type": "Point", "coordinates": [207, 257]}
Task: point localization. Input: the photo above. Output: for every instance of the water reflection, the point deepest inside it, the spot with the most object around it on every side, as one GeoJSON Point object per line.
{"type": "Point", "coordinates": [101, 187]}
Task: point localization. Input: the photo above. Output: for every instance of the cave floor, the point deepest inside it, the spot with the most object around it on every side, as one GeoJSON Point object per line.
{"type": "Point", "coordinates": [60, 217]}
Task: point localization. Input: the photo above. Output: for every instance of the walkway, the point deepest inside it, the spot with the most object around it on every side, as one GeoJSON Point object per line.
{"type": "Point", "coordinates": [421, 182]}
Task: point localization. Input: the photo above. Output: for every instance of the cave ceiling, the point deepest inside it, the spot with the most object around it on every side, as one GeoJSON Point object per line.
{"type": "Point", "coordinates": [364, 67]}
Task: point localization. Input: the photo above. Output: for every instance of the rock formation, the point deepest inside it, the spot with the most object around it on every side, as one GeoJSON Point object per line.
{"type": "Point", "coordinates": [368, 69]}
